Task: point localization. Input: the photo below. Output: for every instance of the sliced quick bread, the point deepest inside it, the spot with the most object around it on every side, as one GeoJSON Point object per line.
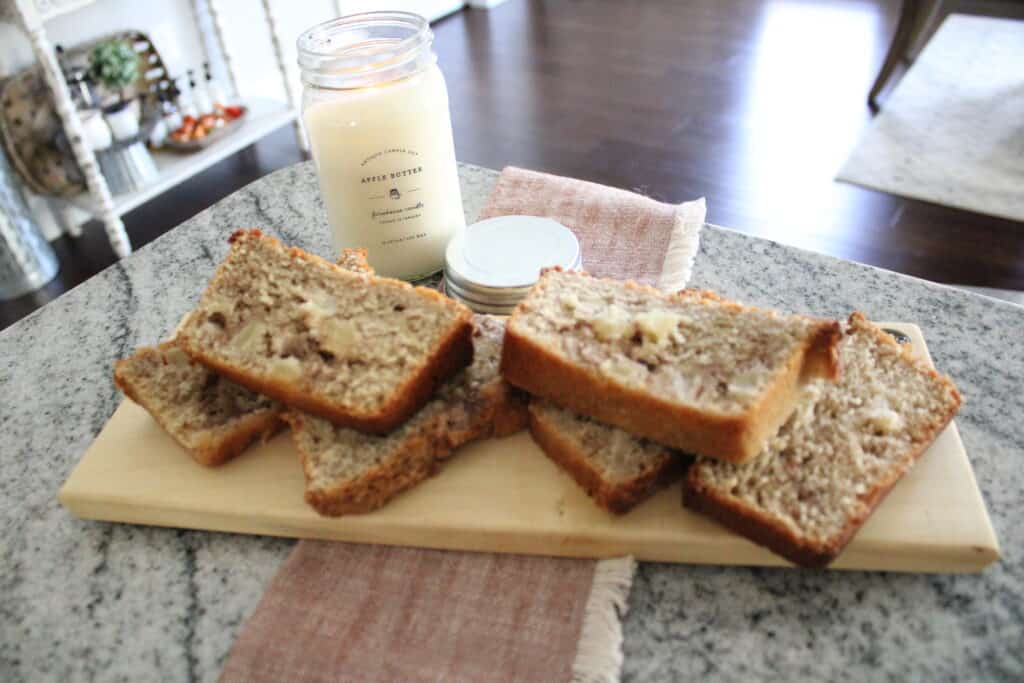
{"type": "Point", "coordinates": [842, 451]}
{"type": "Point", "coordinates": [212, 418]}
{"type": "Point", "coordinates": [361, 351]}
{"type": "Point", "coordinates": [615, 468]}
{"type": "Point", "coordinates": [348, 471]}
{"type": "Point", "coordinates": [689, 370]}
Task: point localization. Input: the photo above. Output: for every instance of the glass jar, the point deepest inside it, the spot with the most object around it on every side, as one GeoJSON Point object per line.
{"type": "Point", "coordinates": [375, 107]}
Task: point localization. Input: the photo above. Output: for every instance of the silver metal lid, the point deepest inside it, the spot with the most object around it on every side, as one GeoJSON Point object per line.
{"type": "Point", "coordinates": [493, 264]}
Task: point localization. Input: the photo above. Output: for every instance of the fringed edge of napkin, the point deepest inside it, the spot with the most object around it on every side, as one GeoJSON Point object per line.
{"type": "Point", "coordinates": [682, 247]}
{"type": "Point", "coordinates": [599, 650]}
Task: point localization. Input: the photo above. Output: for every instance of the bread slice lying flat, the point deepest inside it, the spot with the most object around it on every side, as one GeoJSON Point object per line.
{"type": "Point", "coordinates": [845, 447]}
{"type": "Point", "coordinates": [615, 468]}
{"type": "Point", "coordinates": [348, 471]}
{"type": "Point", "coordinates": [689, 370]}
{"type": "Point", "coordinates": [212, 418]}
{"type": "Point", "coordinates": [361, 351]}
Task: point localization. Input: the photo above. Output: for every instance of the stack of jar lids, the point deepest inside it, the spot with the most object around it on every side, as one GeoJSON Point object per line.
{"type": "Point", "coordinates": [493, 264]}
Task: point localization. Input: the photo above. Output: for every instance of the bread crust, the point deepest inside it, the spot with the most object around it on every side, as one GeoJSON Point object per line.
{"type": "Point", "coordinates": [260, 425]}
{"type": "Point", "coordinates": [499, 410]}
{"type": "Point", "coordinates": [618, 498]}
{"type": "Point", "coordinates": [735, 439]}
{"type": "Point", "coordinates": [510, 414]}
{"type": "Point", "coordinates": [215, 451]}
{"type": "Point", "coordinates": [416, 459]}
{"type": "Point", "coordinates": [453, 352]}
{"type": "Point", "coordinates": [750, 524]}
{"type": "Point", "coordinates": [782, 539]}
{"type": "Point", "coordinates": [353, 259]}
{"type": "Point", "coordinates": [820, 355]}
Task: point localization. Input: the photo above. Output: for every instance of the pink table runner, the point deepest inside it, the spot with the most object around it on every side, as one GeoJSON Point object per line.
{"type": "Point", "coordinates": [344, 612]}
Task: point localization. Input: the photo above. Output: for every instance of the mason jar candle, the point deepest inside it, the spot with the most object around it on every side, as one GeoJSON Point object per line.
{"type": "Point", "coordinates": [375, 107]}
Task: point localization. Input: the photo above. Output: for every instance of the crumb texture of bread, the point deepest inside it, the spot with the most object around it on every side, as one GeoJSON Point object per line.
{"type": "Point", "coordinates": [213, 418]}
{"type": "Point", "coordinates": [615, 468]}
{"type": "Point", "coordinates": [363, 351]}
{"type": "Point", "coordinates": [834, 460]}
{"type": "Point", "coordinates": [691, 370]}
{"type": "Point", "coordinates": [348, 471]}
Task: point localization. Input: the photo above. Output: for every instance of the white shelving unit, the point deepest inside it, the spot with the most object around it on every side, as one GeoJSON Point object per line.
{"type": "Point", "coordinates": [51, 9]}
{"type": "Point", "coordinates": [262, 117]}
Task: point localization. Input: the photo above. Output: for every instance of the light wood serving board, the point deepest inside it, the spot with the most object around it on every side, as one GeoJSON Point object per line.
{"type": "Point", "coordinates": [505, 496]}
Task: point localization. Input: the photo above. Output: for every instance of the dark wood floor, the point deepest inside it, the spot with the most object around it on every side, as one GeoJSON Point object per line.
{"type": "Point", "coordinates": [753, 104]}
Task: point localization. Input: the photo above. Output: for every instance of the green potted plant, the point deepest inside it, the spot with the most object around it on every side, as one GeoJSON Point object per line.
{"type": "Point", "coordinates": [115, 65]}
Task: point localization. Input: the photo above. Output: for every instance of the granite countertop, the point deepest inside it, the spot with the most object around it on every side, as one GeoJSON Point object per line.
{"type": "Point", "coordinates": [83, 600]}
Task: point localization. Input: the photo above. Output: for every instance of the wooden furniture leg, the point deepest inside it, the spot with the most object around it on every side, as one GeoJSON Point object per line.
{"type": "Point", "coordinates": [217, 17]}
{"type": "Point", "coordinates": [902, 40]}
{"type": "Point", "coordinates": [925, 18]}
{"type": "Point", "coordinates": [32, 23]}
{"type": "Point", "coordinates": [300, 135]}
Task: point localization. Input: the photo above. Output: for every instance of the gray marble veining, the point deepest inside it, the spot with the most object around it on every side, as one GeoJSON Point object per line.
{"type": "Point", "coordinates": [84, 600]}
{"type": "Point", "coordinates": [740, 623]}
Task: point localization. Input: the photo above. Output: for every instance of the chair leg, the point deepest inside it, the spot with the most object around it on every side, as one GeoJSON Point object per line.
{"type": "Point", "coordinates": [900, 42]}
{"type": "Point", "coordinates": [925, 19]}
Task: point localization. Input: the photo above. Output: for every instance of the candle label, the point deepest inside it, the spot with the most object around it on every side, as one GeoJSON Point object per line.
{"type": "Point", "coordinates": [393, 190]}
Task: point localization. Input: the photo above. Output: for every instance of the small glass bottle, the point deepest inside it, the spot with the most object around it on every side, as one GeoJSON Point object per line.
{"type": "Point", "coordinates": [184, 101]}
{"type": "Point", "coordinates": [169, 121]}
{"type": "Point", "coordinates": [213, 89]}
{"type": "Point", "coordinates": [201, 96]}
{"type": "Point", "coordinates": [169, 113]}
{"type": "Point", "coordinates": [97, 133]}
{"type": "Point", "coordinates": [375, 105]}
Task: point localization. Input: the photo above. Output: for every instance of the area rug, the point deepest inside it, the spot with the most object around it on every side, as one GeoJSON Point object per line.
{"type": "Point", "coordinates": [952, 132]}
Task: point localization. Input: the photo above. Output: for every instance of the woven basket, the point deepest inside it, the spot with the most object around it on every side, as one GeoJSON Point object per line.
{"type": "Point", "coordinates": [31, 130]}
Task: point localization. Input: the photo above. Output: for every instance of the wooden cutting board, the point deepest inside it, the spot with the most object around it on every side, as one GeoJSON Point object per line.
{"type": "Point", "coordinates": [504, 495]}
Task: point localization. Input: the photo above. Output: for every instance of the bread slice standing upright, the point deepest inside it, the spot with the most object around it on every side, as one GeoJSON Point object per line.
{"type": "Point", "coordinates": [688, 370]}
{"type": "Point", "coordinates": [361, 351]}
{"type": "Point", "coordinates": [842, 451]}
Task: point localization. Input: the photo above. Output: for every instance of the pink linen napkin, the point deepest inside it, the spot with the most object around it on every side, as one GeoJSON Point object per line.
{"type": "Point", "coordinates": [622, 235]}
{"type": "Point", "coordinates": [345, 612]}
